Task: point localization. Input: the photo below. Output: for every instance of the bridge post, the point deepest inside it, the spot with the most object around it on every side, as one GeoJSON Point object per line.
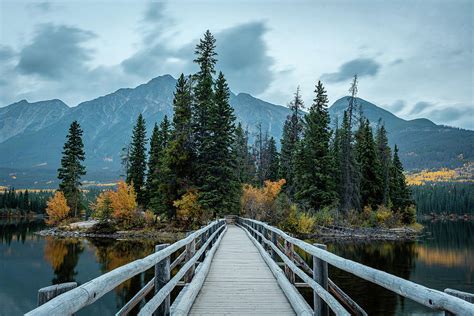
{"type": "Point", "coordinates": [162, 277]}
{"type": "Point", "coordinates": [320, 275]}
{"type": "Point", "coordinates": [190, 251]}
{"type": "Point", "coordinates": [46, 294]}
{"type": "Point", "coordinates": [289, 253]}
{"type": "Point", "coordinates": [203, 241]}
{"type": "Point", "coordinates": [274, 241]}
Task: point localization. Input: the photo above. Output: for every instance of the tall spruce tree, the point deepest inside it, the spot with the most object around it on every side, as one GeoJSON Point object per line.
{"type": "Point", "coordinates": [72, 169]}
{"type": "Point", "coordinates": [155, 176]}
{"type": "Point", "coordinates": [292, 130]}
{"type": "Point", "coordinates": [273, 160]}
{"type": "Point", "coordinates": [369, 166]}
{"type": "Point", "coordinates": [179, 173]}
{"type": "Point", "coordinates": [349, 180]}
{"type": "Point", "coordinates": [315, 183]}
{"type": "Point", "coordinates": [244, 159]}
{"type": "Point", "coordinates": [137, 160]}
{"type": "Point", "coordinates": [400, 194]}
{"type": "Point", "coordinates": [220, 190]}
{"type": "Point", "coordinates": [384, 156]}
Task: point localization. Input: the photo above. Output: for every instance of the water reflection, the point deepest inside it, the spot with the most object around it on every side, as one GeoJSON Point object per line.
{"type": "Point", "coordinates": [29, 262]}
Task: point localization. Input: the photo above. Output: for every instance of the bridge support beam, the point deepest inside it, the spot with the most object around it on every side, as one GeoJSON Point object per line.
{"type": "Point", "coordinates": [190, 251]}
{"type": "Point", "coordinates": [289, 249]}
{"type": "Point", "coordinates": [46, 294]}
{"type": "Point", "coordinates": [162, 277]}
{"type": "Point", "coordinates": [320, 275]}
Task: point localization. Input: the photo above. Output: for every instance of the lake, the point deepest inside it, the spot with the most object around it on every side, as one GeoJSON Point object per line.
{"type": "Point", "coordinates": [442, 259]}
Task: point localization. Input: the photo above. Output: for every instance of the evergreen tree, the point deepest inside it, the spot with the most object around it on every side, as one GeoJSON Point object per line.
{"type": "Point", "coordinates": [314, 170]}
{"type": "Point", "coordinates": [400, 194]}
{"type": "Point", "coordinates": [158, 144]}
{"type": "Point", "coordinates": [72, 169]}
{"type": "Point", "coordinates": [137, 160]}
{"type": "Point", "coordinates": [220, 190]}
{"type": "Point", "coordinates": [273, 160]}
{"type": "Point", "coordinates": [349, 180]}
{"type": "Point", "coordinates": [384, 156]}
{"type": "Point", "coordinates": [179, 173]}
{"type": "Point", "coordinates": [244, 160]}
{"type": "Point", "coordinates": [369, 166]}
{"type": "Point", "coordinates": [291, 135]}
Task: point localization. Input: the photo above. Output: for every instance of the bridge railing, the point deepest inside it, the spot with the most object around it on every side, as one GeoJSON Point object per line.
{"type": "Point", "coordinates": [316, 277]}
{"type": "Point", "coordinates": [79, 297]}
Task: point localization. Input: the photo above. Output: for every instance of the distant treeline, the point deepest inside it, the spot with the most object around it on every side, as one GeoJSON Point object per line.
{"type": "Point", "coordinates": [24, 200]}
{"type": "Point", "coordinates": [444, 198]}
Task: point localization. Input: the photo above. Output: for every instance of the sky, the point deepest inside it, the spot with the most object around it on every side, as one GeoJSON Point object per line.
{"type": "Point", "coordinates": [413, 58]}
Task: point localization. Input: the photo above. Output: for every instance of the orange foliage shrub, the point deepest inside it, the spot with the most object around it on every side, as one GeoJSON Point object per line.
{"type": "Point", "coordinates": [124, 204]}
{"type": "Point", "coordinates": [259, 203]}
{"type": "Point", "coordinates": [57, 209]}
{"type": "Point", "coordinates": [188, 209]}
{"type": "Point", "coordinates": [103, 206]}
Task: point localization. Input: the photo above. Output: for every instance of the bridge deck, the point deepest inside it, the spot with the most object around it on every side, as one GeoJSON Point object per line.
{"type": "Point", "coordinates": [239, 282]}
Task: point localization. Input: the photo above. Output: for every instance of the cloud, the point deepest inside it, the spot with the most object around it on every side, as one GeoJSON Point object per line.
{"type": "Point", "coordinates": [397, 62]}
{"type": "Point", "coordinates": [363, 67]}
{"type": "Point", "coordinates": [461, 115]}
{"type": "Point", "coordinates": [6, 53]}
{"type": "Point", "coordinates": [243, 57]}
{"type": "Point", "coordinates": [55, 52]}
{"type": "Point", "coordinates": [420, 107]}
{"type": "Point", "coordinates": [41, 6]}
{"type": "Point", "coordinates": [396, 106]}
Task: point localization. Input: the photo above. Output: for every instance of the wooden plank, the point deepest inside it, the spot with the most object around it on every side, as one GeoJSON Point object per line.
{"type": "Point", "coordinates": [86, 294]}
{"type": "Point", "coordinates": [190, 251]}
{"type": "Point", "coordinates": [346, 299]}
{"type": "Point", "coordinates": [136, 298]}
{"type": "Point", "coordinates": [428, 297]}
{"type": "Point", "coordinates": [239, 281]}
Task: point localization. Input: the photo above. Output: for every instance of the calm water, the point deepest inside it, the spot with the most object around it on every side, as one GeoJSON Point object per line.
{"type": "Point", "coordinates": [29, 262]}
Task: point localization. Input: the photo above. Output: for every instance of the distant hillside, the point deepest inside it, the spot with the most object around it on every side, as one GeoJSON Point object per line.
{"type": "Point", "coordinates": [32, 134]}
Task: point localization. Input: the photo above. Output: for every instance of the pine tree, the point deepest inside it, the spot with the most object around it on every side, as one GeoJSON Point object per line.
{"type": "Point", "coordinates": [220, 191]}
{"type": "Point", "coordinates": [244, 161]}
{"type": "Point", "coordinates": [72, 169]}
{"type": "Point", "coordinates": [384, 156]}
{"type": "Point", "coordinates": [369, 166]}
{"type": "Point", "coordinates": [179, 171]}
{"type": "Point", "coordinates": [315, 184]}
{"type": "Point", "coordinates": [291, 135]}
{"type": "Point", "coordinates": [400, 194]}
{"type": "Point", "coordinates": [137, 160]}
{"type": "Point", "coordinates": [158, 144]}
{"type": "Point", "coordinates": [273, 160]}
{"type": "Point", "coordinates": [349, 180]}
{"type": "Point", "coordinates": [203, 104]}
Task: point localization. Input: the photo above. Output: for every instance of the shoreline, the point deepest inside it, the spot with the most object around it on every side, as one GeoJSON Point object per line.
{"type": "Point", "coordinates": [343, 233]}
{"type": "Point", "coordinates": [326, 233]}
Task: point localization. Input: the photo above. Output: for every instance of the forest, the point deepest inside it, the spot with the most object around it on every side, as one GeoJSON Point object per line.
{"type": "Point", "coordinates": [199, 165]}
{"type": "Point", "coordinates": [444, 198]}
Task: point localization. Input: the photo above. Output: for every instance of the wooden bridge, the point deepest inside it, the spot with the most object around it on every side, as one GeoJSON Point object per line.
{"type": "Point", "coordinates": [238, 266]}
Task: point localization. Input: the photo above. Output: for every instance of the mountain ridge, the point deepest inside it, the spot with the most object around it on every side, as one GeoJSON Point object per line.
{"type": "Point", "coordinates": [107, 123]}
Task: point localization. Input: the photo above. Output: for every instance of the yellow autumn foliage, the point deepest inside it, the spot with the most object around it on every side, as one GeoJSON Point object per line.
{"type": "Point", "coordinates": [259, 203]}
{"type": "Point", "coordinates": [103, 205]}
{"type": "Point", "coordinates": [57, 209]}
{"type": "Point", "coordinates": [188, 209]}
{"type": "Point", "coordinates": [462, 174]}
{"type": "Point", "coordinates": [124, 204]}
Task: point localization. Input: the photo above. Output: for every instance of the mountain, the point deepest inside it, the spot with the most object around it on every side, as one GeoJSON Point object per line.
{"type": "Point", "coordinates": [29, 117]}
{"type": "Point", "coordinates": [32, 134]}
{"type": "Point", "coordinates": [422, 143]}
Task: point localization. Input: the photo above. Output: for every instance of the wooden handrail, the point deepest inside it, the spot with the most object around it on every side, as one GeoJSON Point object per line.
{"type": "Point", "coordinates": [86, 294]}
{"type": "Point", "coordinates": [428, 297]}
{"type": "Point", "coordinates": [159, 297]}
{"type": "Point", "coordinates": [336, 307]}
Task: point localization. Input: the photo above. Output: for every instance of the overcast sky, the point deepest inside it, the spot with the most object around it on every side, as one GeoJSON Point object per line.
{"type": "Point", "coordinates": [414, 58]}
